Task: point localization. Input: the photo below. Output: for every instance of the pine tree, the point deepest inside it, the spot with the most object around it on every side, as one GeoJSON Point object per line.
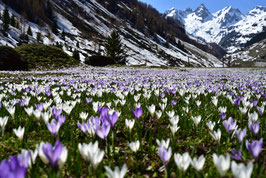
{"type": "Point", "coordinates": [63, 35]}
{"type": "Point", "coordinates": [13, 21]}
{"type": "Point", "coordinates": [29, 32]}
{"type": "Point", "coordinates": [6, 20]}
{"type": "Point", "coordinates": [75, 55]}
{"type": "Point", "coordinates": [39, 37]}
{"type": "Point", "coordinates": [55, 27]}
{"type": "Point", "coordinates": [114, 48]}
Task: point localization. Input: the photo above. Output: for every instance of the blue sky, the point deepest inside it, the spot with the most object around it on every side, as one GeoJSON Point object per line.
{"type": "Point", "coordinates": [213, 5]}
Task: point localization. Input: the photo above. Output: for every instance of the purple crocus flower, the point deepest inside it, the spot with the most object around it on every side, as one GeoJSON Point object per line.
{"type": "Point", "coordinates": [223, 116]}
{"type": "Point", "coordinates": [47, 91]}
{"type": "Point", "coordinates": [56, 112]}
{"type": "Point", "coordinates": [236, 154]}
{"type": "Point", "coordinates": [255, 102]}
{"type": "Point", "coordinates": [12, 168]}
{"type": "Point", "coordinates": [174, 102]}
{"type": "Point", "coordinates": [237, 102]}
{"type": "Point", "coordinates": [103, 111]}
{"type": "Point", "coordinates": [173, 91]}
{"type": "Point", "coordinates": [261, 109]}
{"type": "Point", "coordinates": [112, 119]}
{"type": "Point", "coordinates": [162, 95]}
{"type": "Point", "coordinates": [103, 130]}
{"type": "Point", "coordinates": [254, 147]}
{"type": "Point", "coordinates": [240, 134]}
{"type": "Point", "coordinates": [88, 100]}
{"type": "Point", "coordinates": [255, 128]}
{"type": "Point", "coordinates": [137, 112]}
{"type": "Point", "coordinates": [53, 127]}
{"type": "Point", "coordinates": [61, 119]}
{"type": "Point", "coordinates": [229, 125]}
{"type": "Point", "coordinates": [82, 127]}
{"type": "Point", "coordinates": [21, 103]}
{"type": "Point", "coordinates": [25, 158]}
{"type": "Point", "coordinates": [165, 154]}
{"type": "Point", "coordinates": [53, 153]}
{"type": "Point", "coordinates": [264, 96]}
{"type": "Point", "coordinates": [39, 106]}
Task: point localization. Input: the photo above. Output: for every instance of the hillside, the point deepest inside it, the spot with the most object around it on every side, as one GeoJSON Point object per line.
{"type": "Point", "coordinates": [254, 54]}
{"type": "Point", "coordinates": [82, 25]}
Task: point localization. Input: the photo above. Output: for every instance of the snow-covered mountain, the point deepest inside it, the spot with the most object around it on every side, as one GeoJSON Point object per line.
{"type": "Point", "coordinates": [228, 27]}
{"type": "Point", "coordinates": [86, 23]}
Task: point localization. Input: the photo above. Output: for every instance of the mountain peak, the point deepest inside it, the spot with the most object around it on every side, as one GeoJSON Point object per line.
{"type": "Point", "coordinates": [202, 12]}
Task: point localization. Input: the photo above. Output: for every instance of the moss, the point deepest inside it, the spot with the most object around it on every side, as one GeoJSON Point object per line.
{"type": "Point", "coordinates": [45, 57]}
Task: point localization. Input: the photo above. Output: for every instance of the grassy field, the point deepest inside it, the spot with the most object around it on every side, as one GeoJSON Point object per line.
{"type": "Point", "coordinates": [83, 122]}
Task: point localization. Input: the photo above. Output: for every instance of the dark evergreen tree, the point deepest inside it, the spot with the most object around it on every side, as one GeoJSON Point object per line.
{"type": "Point", "coordinates": [0, 16]}
{"type": "Point", "coordinates": [75, 54]}
{"type": "Point", "coordinates": [39, 37]}
{"type": "Point", "coordinates": [49, 10]}
{"type": "Point", "coordinates": [6, 19]}
{"type": "Point", "coordinates": [29, 32]}
{"type": "Point", "coordinates": [26, 38]}
{"type": "Point", "coordinates": [63, 35]}
{"type": "Point", "coordinates": [13, 21]}
{"type": "Point", "coordinates": [77, 44]}
{"type": "Point", "coordinates": [55, 27]}
{"type": "Point", "coordinates": [114, 48]}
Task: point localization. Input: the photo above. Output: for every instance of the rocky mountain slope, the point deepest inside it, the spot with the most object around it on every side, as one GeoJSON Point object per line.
{"type": "Point", "coordinates": [84, 24]}
{"type": "Point", "coordinates": [228, 27]}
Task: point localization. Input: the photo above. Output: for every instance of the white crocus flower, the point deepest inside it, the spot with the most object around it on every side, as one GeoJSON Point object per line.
{"type": "Point", "coordinates": [174, 129]}
{"type": "Point", "coordinates": [91, 152]}
{"type": "Point", "coordinates": [243, 110]}
{"type": "Point", "coordinates": [221, 163]}
{"type": "Point", "coordinates": [253, 117]}
{"type": "Point", "coordinates": [151, 109]}
{"type": "Point", "coordinates": [198, 103]}
{"type": "Point", "coordinates": [242, 171]}
{"type": "Point", "coordinates": [34, 154]}
{"type": "Point", "coordinates": [41, 153]}
{"type": "Point", "coordinates": [216, 135]}
{"type": "Point", "coordinates": [182, 161]}
{"type": "Point", "coordinates": [210, 125]}
{"type": "Point", "coordinates": [3, 122]}
{"type": "Point", "coordinates": [164, 100]}
{"type": "Point", "coordinates": [37, 113]}
{"type": "Point", "coordinates": [29, 111]}
{"type": "Point", "coordinates": [95, 106]}
{"type": "Point", "coordinates": [222, 109]}
{"type": "Point", "coordinates": [130, 124]}
{"type": "Point", "coordinates": [63, 157]}
{"type": "Point", "coordinates": [214, 100]}
{"type": "Point", "coordinates": [116, 173]}
{"type": "Point", "coordinates": [83, 115]}
{"type": "Point", "coordinates": [163, 143]}
{"type": "Point", "coordinates": [170, 113]}
{"type": "Point", "coordinates": [158, 114]}
{"type": "Point", "coordinates": [162, 106]}
{"type": "Point", "coordinates": [198, 163]}
{"type": "Point", "coordinates": [11, 111]}
{"type": "Point", "coordinates": [46, 116]}
{"type": "Point", "coordinates": [174, 120]}
{"type": "Point", "coordinates": [134, 146]}
{"type": "Point", "coordinates": [196, 120]}
{"type": "Point", "coordinates": [19, 132]}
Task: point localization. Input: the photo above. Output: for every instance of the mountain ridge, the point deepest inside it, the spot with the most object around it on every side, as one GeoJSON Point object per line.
{"type": "Point", "coordinates": [228, 27]}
